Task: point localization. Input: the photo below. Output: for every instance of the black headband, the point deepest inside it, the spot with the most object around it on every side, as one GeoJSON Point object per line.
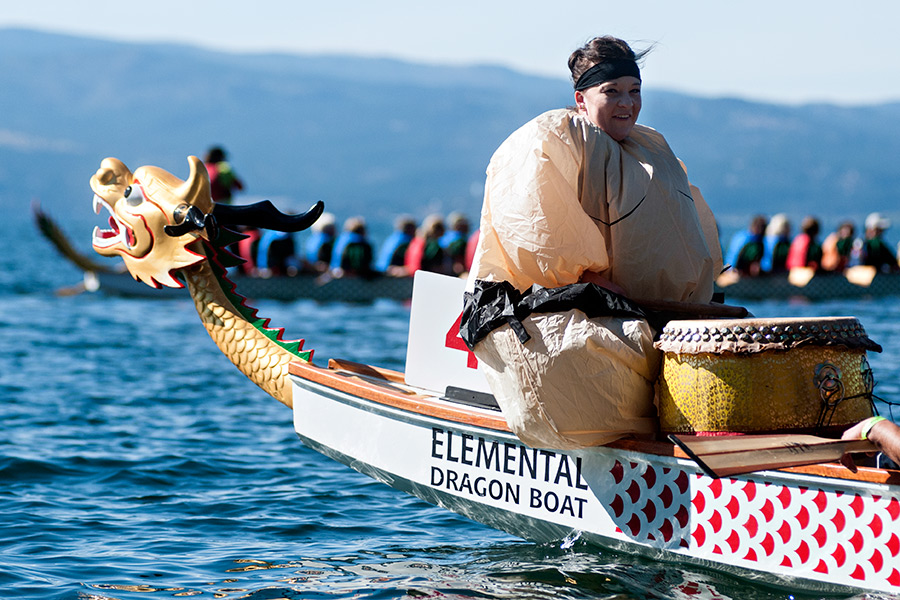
{"type": "Point", "coordinates": [609, 69]}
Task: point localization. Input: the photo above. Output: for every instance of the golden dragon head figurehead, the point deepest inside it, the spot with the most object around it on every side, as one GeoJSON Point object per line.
{"type": "Point", "coordinates": [141, 206]}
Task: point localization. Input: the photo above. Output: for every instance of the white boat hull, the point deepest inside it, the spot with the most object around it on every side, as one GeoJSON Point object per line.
{"type": "Point", "coordinates": [791, 529]}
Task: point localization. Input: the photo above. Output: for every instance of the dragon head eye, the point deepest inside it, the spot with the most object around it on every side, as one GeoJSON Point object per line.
{"type": "Point", "coordinates": [133, 195]}
{"type": "Point", "coordinates": [180, 213]}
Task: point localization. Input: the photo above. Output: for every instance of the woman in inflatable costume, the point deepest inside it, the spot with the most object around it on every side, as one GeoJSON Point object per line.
{"type": "Point", "coordinates": [584, 210]}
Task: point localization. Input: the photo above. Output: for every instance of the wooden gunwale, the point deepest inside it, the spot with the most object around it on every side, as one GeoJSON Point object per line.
{"type": "Point", "coordinates": [387, 387]}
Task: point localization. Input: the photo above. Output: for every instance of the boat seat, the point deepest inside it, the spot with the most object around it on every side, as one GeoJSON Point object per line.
{"type": "Point", "coordinates": [471, 398]}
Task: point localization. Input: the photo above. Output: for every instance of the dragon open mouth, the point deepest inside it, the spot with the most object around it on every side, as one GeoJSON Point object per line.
{"type": "Point", "coordinates": [118, 231]}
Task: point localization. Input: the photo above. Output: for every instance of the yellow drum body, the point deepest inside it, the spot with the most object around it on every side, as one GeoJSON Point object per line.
{"type": "Point", "coordinates": [759, 376]}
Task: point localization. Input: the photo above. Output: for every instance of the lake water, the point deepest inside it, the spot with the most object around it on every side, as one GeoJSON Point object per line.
{"type": "Point", "coordinates": [137, 463]}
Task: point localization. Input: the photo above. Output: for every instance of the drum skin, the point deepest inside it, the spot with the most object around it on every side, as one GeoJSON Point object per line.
{"type": "Point", "coordinates": [764, 376]}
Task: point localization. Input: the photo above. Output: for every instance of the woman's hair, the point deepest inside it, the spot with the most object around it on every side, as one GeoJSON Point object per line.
{"type": "Point", "coordinates": [598, 50]}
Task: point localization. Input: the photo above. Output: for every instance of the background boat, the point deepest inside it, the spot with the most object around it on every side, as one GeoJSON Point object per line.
{"type": "Point", "coordinates": [858, 282]}
{"type": "Point", "coordinates": [284, 289]}
{"type": "Point", "coordinates": [108, 277]}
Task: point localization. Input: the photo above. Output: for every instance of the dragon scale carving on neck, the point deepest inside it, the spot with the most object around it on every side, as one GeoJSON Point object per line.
{"type": "Point", "coordinates": [165, 228]}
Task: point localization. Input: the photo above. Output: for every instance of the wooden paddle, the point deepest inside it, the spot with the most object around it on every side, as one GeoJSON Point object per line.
{"type": "Point", "coordinates": [689, 310]}
{"type": "Point", "coordinates": [670, 309]}
{"type": "Point", "coordinates": [726, 456]}
{"type": "Point", "coordinates": [71, 290]}
{"type": "Point", "coordinates": [55, 235]}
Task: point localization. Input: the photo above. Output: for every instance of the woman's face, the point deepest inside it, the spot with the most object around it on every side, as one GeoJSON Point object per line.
{"type": "Point", "coordinates": [613, 106]}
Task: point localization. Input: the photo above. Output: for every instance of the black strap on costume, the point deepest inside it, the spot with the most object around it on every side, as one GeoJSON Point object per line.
{"type": "Point", "coordinates": [496, 303]}
{"type": "Point", "coordinates": [623, 217]}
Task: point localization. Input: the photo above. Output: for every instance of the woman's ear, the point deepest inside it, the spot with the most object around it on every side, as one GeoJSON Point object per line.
{"type": "Point", "coordinates": [579, 100]}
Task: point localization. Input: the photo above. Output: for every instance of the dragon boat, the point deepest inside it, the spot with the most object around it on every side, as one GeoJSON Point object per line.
{"type": "Point", "coordinates": [435, 431]}
{"type": "Point", "coordinates": [303, 286]}
{"type": "Point", "coordinates": [857, 282]}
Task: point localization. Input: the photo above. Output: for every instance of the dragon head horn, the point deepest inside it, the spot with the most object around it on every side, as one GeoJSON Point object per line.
{"type": "Point", "coordinates": [195, 189]}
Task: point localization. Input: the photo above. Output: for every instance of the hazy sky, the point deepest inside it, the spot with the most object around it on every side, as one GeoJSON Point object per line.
{"type": "Point", "coordinates": [783, 51]}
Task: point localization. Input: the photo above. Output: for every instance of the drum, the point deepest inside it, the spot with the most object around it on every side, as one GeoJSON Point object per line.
{"type": "Point", "coordinates": [722, 377]}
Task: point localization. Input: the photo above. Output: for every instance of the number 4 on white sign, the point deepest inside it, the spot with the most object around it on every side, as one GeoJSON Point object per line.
{"type": "Point", "coordinates": [455, 342]}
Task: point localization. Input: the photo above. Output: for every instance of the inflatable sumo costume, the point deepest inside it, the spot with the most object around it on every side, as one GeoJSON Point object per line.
{"type": "Point", "coordinates": [571, 364]}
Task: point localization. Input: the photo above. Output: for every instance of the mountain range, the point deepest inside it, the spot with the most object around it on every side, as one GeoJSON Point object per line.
{"type": "Point", "coordinates": [378, 137]}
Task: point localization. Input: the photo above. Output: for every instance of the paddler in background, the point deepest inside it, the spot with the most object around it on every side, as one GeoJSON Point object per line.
{"type": "Point", "coordinates": [776, 245]}
{"type": "Point", "coordinates": [746, 250]}
{"type": "Point", "coordinates": [837, 248]}
{"type": "Point", "coordinates": [223, 181]}
{"type": "Point", "coordinates": [876, 252]}
{"type": "Point", "coordinates": [584, 209]}
{"type": "Point", "coordinates": [805, 251]}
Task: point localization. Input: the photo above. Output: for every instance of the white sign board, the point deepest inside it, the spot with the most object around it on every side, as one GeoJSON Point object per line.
{"type": "Point", "coordinates": [436, 356]}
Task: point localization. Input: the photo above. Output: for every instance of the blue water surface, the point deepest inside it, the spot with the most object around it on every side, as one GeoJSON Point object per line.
{"type": "Point", "coordinates": [136, 462]}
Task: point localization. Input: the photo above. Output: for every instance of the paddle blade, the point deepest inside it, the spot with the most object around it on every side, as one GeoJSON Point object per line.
{"type": "Point", "coordinates": [861, 275]}
{"type": "Point", "coordinates": [800, 276]}
{"type": "Point", "coordinates": [736, 455]}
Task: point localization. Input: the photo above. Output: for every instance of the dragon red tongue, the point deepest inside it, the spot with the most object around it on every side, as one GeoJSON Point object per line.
{"type": "Point", "coordinates": [110, 233]}
{"type": "Point", "coordinates": [114, 226]}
